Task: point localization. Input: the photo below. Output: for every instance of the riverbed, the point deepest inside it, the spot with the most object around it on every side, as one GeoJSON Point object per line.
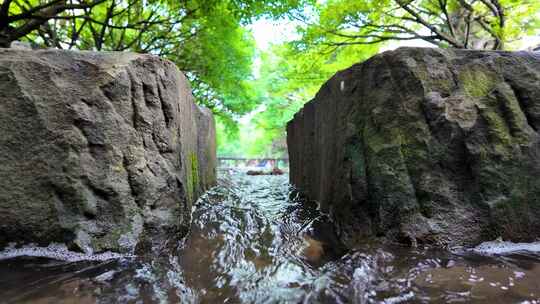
{"type": "Point", "coordinates": [253, 239]}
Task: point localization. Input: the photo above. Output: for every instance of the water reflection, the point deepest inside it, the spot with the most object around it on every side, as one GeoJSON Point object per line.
{"type": "Point", "coordinates": [252, 241]}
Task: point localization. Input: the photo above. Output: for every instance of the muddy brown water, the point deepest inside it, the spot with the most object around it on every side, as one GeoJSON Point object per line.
{"type": "Point", "coordinates": [253, 240]}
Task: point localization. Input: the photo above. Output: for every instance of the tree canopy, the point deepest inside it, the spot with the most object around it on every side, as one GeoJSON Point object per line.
{"type": "Point", "coordinates": [205, 38]}
{"type": "Point", "coordinates": [472, 24]}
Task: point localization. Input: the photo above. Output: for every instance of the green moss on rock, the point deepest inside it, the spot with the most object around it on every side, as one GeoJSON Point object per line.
{"type": "Point", "coordinates": [192, 176]}
{"type": "Point", "coordinates": [477, 81]}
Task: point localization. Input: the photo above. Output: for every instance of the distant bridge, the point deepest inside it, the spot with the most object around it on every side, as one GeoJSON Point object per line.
{"type": "Point", "coordinates": [226, 161]}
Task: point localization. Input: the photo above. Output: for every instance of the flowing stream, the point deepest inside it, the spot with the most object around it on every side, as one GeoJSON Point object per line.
{"type": "Point", "coordinates": [253, 240]}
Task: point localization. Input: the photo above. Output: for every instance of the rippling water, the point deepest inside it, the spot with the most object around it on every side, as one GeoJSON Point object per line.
{"type": "Point", "coordinates": [253, 241]}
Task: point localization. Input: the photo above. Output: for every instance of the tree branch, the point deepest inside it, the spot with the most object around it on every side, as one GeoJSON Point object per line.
{"type": "Point", "coordinates": [424, 22]}
{"type": "Point", "coordinates": [443, 4]}
{"type": "Point", "coordinates": [4, 11]}
{"type": "Point", "coordinates": [50, 9]}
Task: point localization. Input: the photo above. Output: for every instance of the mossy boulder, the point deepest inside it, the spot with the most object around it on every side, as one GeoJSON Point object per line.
{"type": "Point", "coordinates": [425, 146]}
{"type": "Point", "coordinates": [98, 150]}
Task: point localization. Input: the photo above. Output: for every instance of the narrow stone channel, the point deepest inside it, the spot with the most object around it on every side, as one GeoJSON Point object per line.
{"type": "Point", "coordinates": [253, 240]}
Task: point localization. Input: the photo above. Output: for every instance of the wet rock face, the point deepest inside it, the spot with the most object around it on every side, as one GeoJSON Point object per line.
{"type": "Point", "coordinates": [425, 145]}
{"type": "Point", "coordinates": [98, 150]}
{"type": "Point", "coordinates": [206, 161]}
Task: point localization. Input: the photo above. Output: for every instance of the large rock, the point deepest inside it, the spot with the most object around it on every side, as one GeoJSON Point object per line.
{"type": "Point", "coordinates": [425, 145]}
{"type": "Point", "coordinates": [98, 150]}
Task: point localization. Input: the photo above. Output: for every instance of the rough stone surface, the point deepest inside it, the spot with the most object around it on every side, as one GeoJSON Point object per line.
{"type": "Point", "coordinates": [207, 154]}
{"type": "Point", "coordinates": [425, 146]}
{"type": "Point", "coordinates": [97, 149]}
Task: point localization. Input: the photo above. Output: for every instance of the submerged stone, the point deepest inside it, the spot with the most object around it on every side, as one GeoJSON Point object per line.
{"type": "Point", "coordinates": [97, 150]}
{"type": "Point", "coordinates": [425, 146]}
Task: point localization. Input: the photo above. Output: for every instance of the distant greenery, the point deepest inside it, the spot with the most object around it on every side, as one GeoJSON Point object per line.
{"type": "Point", "coordinates": [209, 41]}
{"type": "Point", "coordinates": [289, 77]}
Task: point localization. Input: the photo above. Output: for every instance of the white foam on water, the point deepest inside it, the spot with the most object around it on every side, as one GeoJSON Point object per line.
{"type": "Point", "coordinates": [57, 252]}
{"type": "Point", "coordinates": [500, 247]}
{"type": "Point", "coordinates": [399, 299]}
